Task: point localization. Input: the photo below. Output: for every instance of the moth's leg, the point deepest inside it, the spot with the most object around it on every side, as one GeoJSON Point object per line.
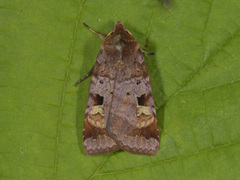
{"type": "Point", "coordinates": [84, 77]}
{"type": "Point", "coordinates": [148, 53]}
{"type": "Point", "coordinates": [100, 35]}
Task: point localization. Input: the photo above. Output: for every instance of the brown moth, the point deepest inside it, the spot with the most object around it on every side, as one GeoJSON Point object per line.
{"type": "Point", "coordinates": [120, 112]}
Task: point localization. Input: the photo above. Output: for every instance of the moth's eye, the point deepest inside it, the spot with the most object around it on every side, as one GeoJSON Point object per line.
{"type": "Point", "coordinates": [138, 82]}
{"type": "Point", "coordinates": [101, 82]}
{"type": "Point", "coordinates": [128, 93]}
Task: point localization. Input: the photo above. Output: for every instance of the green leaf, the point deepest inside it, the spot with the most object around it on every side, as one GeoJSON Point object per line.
{"type": "Point", "coordinates": [45, 49]}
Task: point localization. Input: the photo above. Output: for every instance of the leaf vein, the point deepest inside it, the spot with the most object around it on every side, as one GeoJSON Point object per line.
{"type": "Point", "coordinates": [169, 160]}
{"type": "Point", "coordinates": [210, 88]}
{"type": "Point", "coordinates": [64, 90]}
{"type": "Point", "coordinates": [205, 27]}
{"type": "Point", "coordinates": [203, 65]}
{"type": "Point", "coordinates": [149, 28]}
{"type": "Point", "coordinates": [101, 165]}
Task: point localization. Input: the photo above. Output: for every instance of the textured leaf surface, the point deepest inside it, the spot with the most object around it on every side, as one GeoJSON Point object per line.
{"type": "Point", "coordinates": [195, 75]}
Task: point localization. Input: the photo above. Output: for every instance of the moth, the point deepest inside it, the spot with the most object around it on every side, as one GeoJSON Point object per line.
{"type": "Point", "coordinates": [120, 111]}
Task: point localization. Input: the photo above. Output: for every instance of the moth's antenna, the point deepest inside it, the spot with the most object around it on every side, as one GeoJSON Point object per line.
{"type": "Point", "coordinates": [100, 35]}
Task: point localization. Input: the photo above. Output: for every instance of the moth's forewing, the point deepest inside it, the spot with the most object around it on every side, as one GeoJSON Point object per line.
{"type": "Point", "coordinates": [132, 121]}
{"type": "Point", "coordinates": [120, 112]}
{"type": "Point", "coordinates": [96, 139]}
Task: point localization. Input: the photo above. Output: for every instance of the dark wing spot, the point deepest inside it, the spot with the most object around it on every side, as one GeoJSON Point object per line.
{"type": "Point", "coordinates": [97, 100]}
{"type": "Point", "coordinates": [142, 100]}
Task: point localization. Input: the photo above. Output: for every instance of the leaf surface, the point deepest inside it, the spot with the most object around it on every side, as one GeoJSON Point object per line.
{"type": "Point", "coordinates": [194, 74]}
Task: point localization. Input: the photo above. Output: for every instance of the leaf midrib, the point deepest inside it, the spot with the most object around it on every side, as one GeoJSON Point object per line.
{"type": "Point", "coordinates": [64, 89]}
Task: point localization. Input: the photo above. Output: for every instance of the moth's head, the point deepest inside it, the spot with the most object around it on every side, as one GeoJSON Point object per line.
{"type": "Point", "coordinates": [118, 27]}
{"type": "Point", "coordinates": [119, 33]}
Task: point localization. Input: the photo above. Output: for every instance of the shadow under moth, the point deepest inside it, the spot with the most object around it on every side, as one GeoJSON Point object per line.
{"type": "Point", "coordinates": [120, 111]}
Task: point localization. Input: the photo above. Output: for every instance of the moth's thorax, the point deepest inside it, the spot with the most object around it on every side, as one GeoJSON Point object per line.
{"type": "Point", "coordinates": [120, 42]}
